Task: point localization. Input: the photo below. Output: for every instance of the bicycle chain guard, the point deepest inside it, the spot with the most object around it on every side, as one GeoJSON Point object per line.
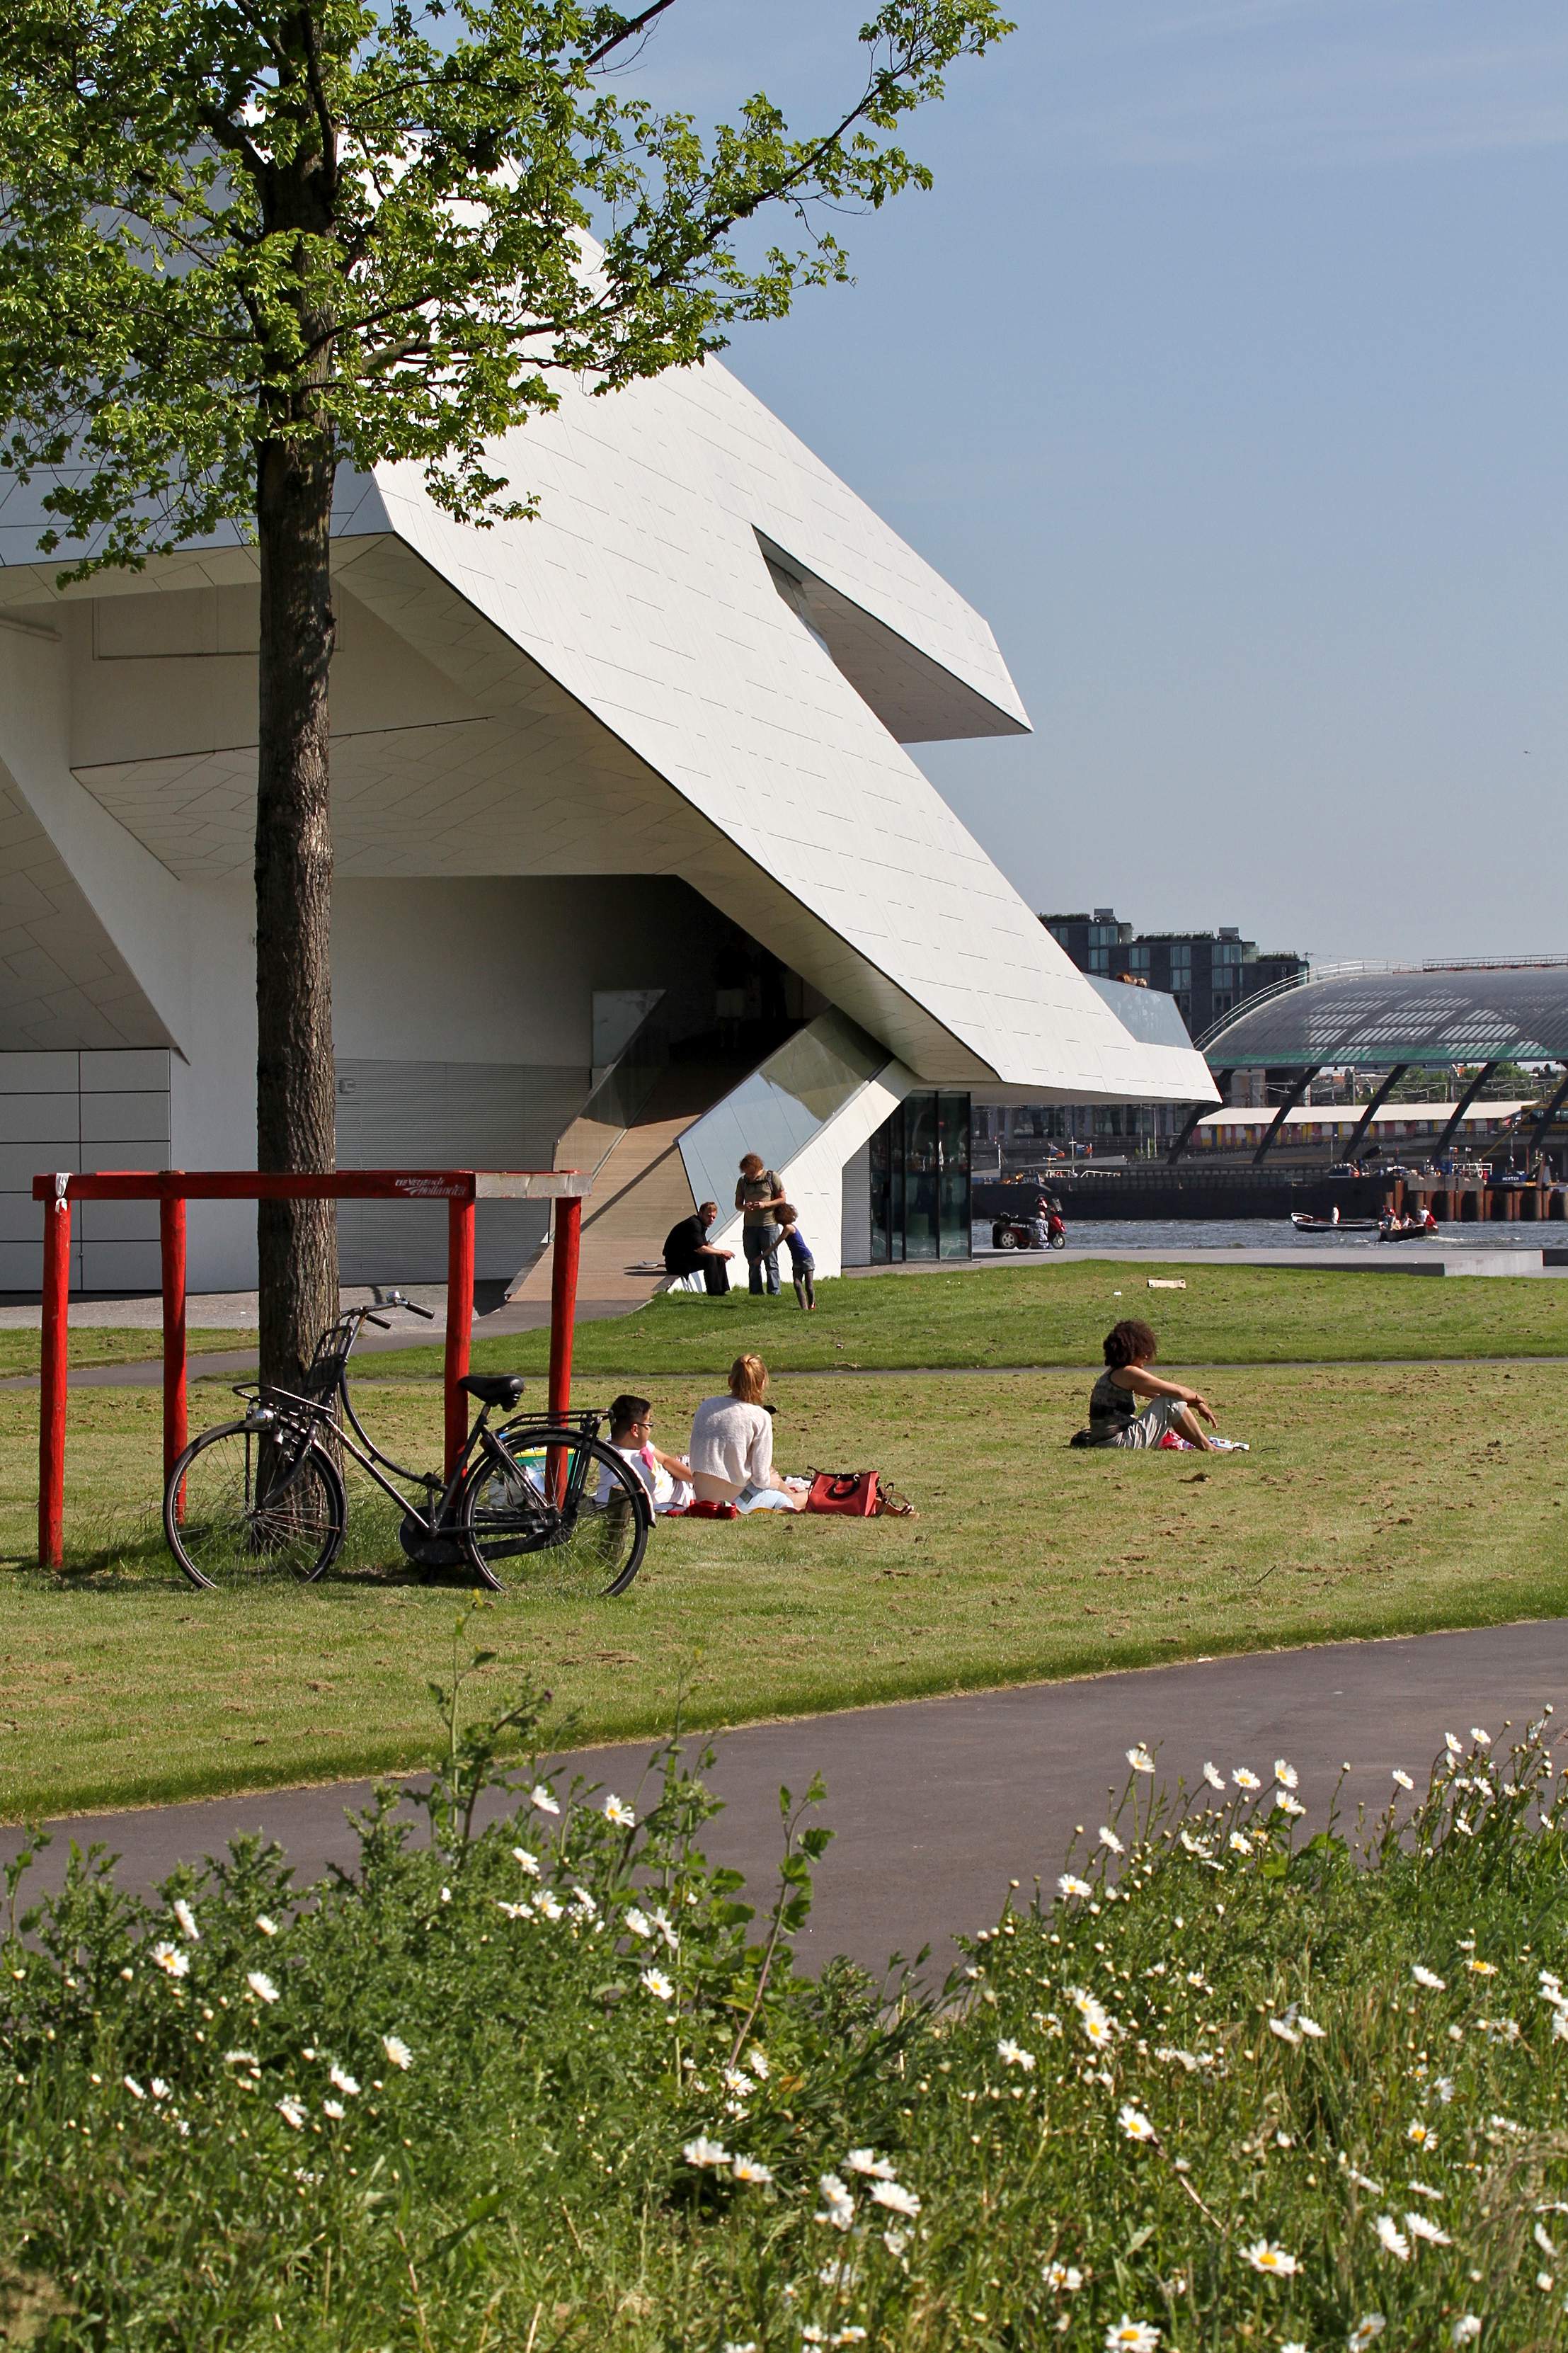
{"type": "Point", "coordinates": [427, 1551]}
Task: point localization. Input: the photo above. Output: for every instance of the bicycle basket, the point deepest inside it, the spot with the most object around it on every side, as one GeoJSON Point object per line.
{"type": "Point", "coordinates": [331, 1354]}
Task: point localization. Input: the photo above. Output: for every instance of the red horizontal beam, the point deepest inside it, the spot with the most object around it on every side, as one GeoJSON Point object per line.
{"type": "Point", "coordinates": [248, 1185]}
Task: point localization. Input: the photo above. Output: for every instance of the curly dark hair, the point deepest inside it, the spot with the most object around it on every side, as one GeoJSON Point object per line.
{"type": "Point", "coordinates": [1132, 1343]}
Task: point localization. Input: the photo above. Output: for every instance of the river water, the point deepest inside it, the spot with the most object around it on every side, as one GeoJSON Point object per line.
{"type": "Point", "coordinates": [1277, 1233]}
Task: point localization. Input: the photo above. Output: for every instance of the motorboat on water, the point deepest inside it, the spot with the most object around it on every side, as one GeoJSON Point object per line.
{"type": "Point", "coordinates": [1305, 1223]}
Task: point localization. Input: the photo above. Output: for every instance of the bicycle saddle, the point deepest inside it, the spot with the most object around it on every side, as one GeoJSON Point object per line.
{"type": "Point", "coordinates": [502, 1390]}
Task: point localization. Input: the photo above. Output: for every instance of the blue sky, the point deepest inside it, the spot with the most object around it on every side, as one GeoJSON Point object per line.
{"type": "Point", "coordinates": [1226, 370]}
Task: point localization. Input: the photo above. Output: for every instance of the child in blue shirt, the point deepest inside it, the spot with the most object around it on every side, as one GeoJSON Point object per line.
{"type": "Point", "coordinates": [801, 1265]}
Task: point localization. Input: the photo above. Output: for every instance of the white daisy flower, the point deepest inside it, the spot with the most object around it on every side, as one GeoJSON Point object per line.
{"type": "Point", "coordinates": [397, 2051]}
{"type": "Point", "coordinates": [1403, 1780]}
{"type": "Point", "coordinates": [616, 1811]}
{"type": "Point", "coordinates": [526, 1861]}
{"type": "Point", "coordinates": [896, 2197]}
{"type": "Point", "coordinates": [661, 1921]}
{"type": "Point", "coordinates": [1126, 2336]}
{"type": "Point", "coordinates": [187, 1920]}
{"type": "Point", "coordinates": [839, 2205]}
{"type": "Point", "coordinates": [895, 2243]}
{"type": "Point", "coordinates": [1425, 2190]}
{"type": "Point", "coordinates": [514, 1911]}
{"type": "Point", "coordinates": [543, 1799]}
{"type": "Point", "coordinates": [1285, 1803]}
{"type": "Point", "coordinates": [704, 2153]}
{"type": "Point", "coordinates": [1424, 1976]}
{"type": "Point", "coordinates": [1421, 2134]}
{"type": "Point", "coordinates": [340, 2081]}
{"type": "Point", "coordinates": [1541, 2240]}
{"type": "Point", "coordinates": [1245, 1778]}
{"type": "Point", "coordinates": [1310, 2026]}
{"type": "Point", "coordinates": [1070, 1883]}
{"type": "Point", "coordinates": [261, 1985]}
{"type": "Point", "coordinates": [653, 1982]}
{"type": "Point", "coordinates": [1214, 1777]}
{"type": "Point", "coordinates": [1285, 2031]}
{"type": "Point", "coordinates": [1065, 2278]}
{"type": "Point", "coordinates": [1368, 2328]}
{"type": "Point", "coordinates": [757, 2061]}
{"type": "Point", "coordinates": [1134, 2122]}
{"type": "Point", "coordinates": [1238, 1845]}
{"type": "Point", "coordinates": [866, 2161]}
{"type": "Point", "coordinates": [1453, 1744]}
{"type": "Point", "coordinates": [1286, 1775]}
{"type": "Point", "coordinates": [1391, 2239]}
{"type": "Point", "coordinates": [1273, 2260]}
{"type": "Point", "coordinates": [1108, 1838]}
{"type": "Point", "coordinates": [583, 1904]}
{"type": "Point", "coordinates": [292, 2112]}
{"type": "Point", "coordinates": [1139, 1759]}
{"type": "Point", "coordinates": [1466, 2329]}
{"type": "Point", "coordinates": [267, 1927]}
{"type": "Point", "coordinates": [748, 2168]}
{"type": "Point", "coordinates": [1482, 1739]}
{"type": "Point", "coordinates": [335, 2109]}
{"type": "Point", "coordinates": [133, 2087]}
{"type": "Point", "coordinates": [549, 1904]}
{"type": "Point", "coordinates": [638, 1923]}
{"type": "Point", "coordinates": [171, 1960]}
{"type": "Point", "coordinates": [1481, 1969]}
{"type": "Point", "coordinates": [240, 2059]}
{"type": "Point", "coordinates": [1013, 2054]}
{"type": "Point", "coordinates": [1420, 2228]}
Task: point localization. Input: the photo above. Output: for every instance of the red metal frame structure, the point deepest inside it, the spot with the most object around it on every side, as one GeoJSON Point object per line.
{"type": "Point", "coordinates": [173, 1187]}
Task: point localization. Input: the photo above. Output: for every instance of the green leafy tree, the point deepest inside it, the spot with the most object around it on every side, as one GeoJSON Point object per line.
{"type": "Point", "coordinates": [247, 241]}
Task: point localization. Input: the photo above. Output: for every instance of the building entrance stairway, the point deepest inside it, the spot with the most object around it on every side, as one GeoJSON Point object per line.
{"type": "Point", "coordinates": [640, 1185]}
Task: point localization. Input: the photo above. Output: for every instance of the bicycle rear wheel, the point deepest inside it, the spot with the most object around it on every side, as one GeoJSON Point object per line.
{"type": "Point", "coordinates": [558, 1514]}
{"type": "Point", "coordinates": [246, 1505]}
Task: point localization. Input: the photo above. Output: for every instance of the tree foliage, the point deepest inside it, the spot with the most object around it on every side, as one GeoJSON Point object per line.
{"type": "Point", "coordinates": [387, 234]}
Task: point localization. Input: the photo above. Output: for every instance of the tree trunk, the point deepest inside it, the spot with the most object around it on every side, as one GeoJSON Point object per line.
{"type": "Point", "coordinates": [296, 1242]}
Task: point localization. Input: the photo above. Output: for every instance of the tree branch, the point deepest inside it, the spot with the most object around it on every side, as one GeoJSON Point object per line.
{"type": "Point", "coordinates": [628, 32]}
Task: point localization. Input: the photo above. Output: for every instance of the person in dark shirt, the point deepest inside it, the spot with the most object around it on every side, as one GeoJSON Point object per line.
{"type": "Point", "coordinates": [688, 1250]}
{"type": "Point", "coordinates": [803, 1266]}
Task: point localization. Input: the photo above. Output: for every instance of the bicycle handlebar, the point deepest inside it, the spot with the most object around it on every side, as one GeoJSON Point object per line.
{"type": "Point", "coordinates": [379, 1321]}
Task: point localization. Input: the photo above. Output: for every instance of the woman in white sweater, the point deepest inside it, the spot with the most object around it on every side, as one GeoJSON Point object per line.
{"type": "Point", "coordinates": [731, 1449]}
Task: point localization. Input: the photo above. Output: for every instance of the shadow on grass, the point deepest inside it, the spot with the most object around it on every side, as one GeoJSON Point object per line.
{"type": "Point", "coordinates": [123, 1552]}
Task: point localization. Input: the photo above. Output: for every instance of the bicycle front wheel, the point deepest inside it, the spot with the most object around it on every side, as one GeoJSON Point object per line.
{"type": "Point", "coordinates": [552, 1511]}
{"type": "Point", "coordinates": [246, 1505]}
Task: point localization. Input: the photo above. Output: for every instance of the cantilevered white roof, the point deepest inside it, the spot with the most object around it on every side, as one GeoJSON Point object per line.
{"type": "Point", "coordinates": [704, 657]}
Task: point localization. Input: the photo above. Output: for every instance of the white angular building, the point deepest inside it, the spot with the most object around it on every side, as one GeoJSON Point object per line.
{"type": "Point", "coordinates": [634, 869]}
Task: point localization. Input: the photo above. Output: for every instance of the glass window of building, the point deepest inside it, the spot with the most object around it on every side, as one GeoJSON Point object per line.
{"type": "Point", "coordinates": [921, 1180]}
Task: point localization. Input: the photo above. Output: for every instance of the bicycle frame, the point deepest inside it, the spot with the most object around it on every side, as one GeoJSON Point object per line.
{"type": "Point", "coordinates": [308, 1415]}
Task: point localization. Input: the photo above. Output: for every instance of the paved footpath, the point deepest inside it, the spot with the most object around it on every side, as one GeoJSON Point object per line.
{"type": "Point", "coordinates": [938, 1803]}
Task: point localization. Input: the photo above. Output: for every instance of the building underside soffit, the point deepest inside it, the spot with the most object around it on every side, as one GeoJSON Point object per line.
{"type": "Point", "coordinates": [64, 984]}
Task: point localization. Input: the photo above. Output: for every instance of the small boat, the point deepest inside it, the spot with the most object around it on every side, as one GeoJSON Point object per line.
{"type": "Point", "coordinates": [1407, 1234]}
{"type": "Point", "coordinates": [1305, 1223]}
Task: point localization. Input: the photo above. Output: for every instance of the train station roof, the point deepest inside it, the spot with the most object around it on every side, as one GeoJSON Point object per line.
{"type": "Point", "coordinates": [1423, 1014]}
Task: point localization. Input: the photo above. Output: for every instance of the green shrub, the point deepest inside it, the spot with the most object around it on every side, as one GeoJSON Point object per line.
{"type": "Point", "coordinates": [547, 2083]}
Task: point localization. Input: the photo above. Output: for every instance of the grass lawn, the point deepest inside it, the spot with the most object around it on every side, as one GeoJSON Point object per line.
{"type": "Point", "coordinates": [114, 1345]}
{"type": "Point", "coordinates": [1378, 1499]}
{"type": "Point", "coordinates": [1057, 1315]}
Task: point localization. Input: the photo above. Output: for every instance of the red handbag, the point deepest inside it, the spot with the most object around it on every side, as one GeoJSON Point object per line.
{"type": "Point", "coordinates": [857, 1494]}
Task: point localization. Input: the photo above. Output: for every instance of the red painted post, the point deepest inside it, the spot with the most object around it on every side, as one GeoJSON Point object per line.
{"type": "Point", "coordinates": [171, 1255]}
{"type": "Point", "coordinates": [460, 1320]}
{"type": "Point", "coordinates": [52, 1377]}
{"type": "Point", "coordinates": [564, 1302]}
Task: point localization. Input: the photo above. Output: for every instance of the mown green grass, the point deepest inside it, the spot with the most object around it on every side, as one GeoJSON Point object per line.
{"type": "Point", "coordinates": [113, 1344]}
{"type": "Point", "coordinates": [1057, 1315]}
{"type": "Point", "coordinates": [1378, 1499]}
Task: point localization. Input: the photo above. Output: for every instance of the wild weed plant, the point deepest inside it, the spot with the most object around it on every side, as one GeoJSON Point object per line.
{"type": "Point", "coordinates": [546, 2081]}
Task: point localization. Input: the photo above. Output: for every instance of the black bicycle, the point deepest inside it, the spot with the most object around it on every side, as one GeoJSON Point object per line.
{"type": "Point", "coordinates": [531, 1503]}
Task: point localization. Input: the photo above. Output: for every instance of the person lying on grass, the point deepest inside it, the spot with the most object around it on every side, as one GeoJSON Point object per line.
{"type": "Point", "coordinates": [1114, 1418]}
{"type": "Point", "coordinates": [731, 1449]}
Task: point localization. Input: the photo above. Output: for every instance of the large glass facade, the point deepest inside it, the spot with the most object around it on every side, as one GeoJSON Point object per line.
{"type": "Point", "coordinates": [920, 1180]}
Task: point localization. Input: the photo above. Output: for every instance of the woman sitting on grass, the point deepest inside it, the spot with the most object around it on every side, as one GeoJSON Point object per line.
{"type": "Point", "coordinates": [1114, 1419]}
{"type": "Point", "coordinates": [731, 1449]}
